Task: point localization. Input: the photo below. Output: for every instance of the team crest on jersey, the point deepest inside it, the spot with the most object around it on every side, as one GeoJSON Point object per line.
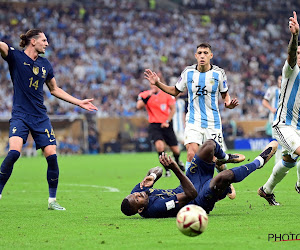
{"type": "Point", "coordinates": [43, 72]}
{"type": "Point", "coordinates": [212, 81]}
{"type": "Point", "coordinates": [35, 70]}
{"type": "Point", "coordinates": [163, 107]}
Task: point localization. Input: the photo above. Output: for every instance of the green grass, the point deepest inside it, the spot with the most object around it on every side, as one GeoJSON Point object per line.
{"type": "Point", "coordinates": [92, 188]}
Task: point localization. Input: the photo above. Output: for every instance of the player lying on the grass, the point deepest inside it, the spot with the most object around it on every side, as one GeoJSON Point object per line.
{"type": "Point", "coordinates": [198, 186]}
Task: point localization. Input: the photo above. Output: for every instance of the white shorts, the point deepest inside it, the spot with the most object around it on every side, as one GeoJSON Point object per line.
{"type": "Point", "coordinates": [288, 137]}
{"type": "Point", "coordinates": [194, 134]}
{"type": "Point", "coordinates": [179, 136]}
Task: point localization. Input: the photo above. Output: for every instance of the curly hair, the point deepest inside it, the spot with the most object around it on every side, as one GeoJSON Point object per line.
{"type": "Point", "coordinates": [126, 208]}
{"type": "Point", "coordinates": [25, 38]}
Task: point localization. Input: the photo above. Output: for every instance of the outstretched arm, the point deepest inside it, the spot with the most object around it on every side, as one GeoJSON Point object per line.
{"type": "Point", "coordinates": [153, 78]}
{"type": "Point", "coordinates": [61, 94]}
{"type": "Point", "coordinates": [230, 104]}
{"type": "Point", "coordinates": [189, 191]}
{"type": "Point", "coordinates": [152, 176]}
{"type": "Point", "coordinates": [293, 45]}
{"type": "Point", "coordinates": [3, 49]}
{"type": "Point", "coordinates": [267, 105]}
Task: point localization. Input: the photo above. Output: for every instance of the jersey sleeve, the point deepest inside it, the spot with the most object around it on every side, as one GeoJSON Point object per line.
{"type": "Point", "coordinates": [171, 100]}
{"type": "Point", "coordinates": [223, 82]}
{"type": "Point", "coordinates": [10, 56]}
{"type": "Point", "coordinates": [143, 94]}
{"type": "Point", "coordinates": [50, 74]}
{"type": "Point", "coordinates": [182, 81]}
{"type": "Point", "coordinates": [268, 94]}
{"type": "Point", "coordinates": [138, 189]}
{"type": "Point", "coordinates": [287, 70]}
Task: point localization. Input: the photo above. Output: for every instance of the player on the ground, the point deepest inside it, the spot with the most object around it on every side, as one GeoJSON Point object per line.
{"type": "Point", "coordinates": [270, 102]}
{"type": "Point", "coordinates": [203, 82]}
{"type": "Point", "coordinates": [197, 187]}
{"type": "Point", "coordinates": [286, 126]}
{"type": "Point", "coordinates": [29, 72]}
{"type": "Point", "coordinates": [160, 108]}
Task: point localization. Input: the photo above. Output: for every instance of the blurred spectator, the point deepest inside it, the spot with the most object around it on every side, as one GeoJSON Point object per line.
{"type": "Point", "coordinates": [101, 48]}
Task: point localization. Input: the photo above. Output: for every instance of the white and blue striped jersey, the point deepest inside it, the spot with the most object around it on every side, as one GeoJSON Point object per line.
{"type": "Point", "coordinates": [203, 94]}
{"type": "Point", "coordinates": [178, 117]}
{"type": "Point", "coordinates": [272, 96]}
{"type": "Point", "coordinates": [289, 101]}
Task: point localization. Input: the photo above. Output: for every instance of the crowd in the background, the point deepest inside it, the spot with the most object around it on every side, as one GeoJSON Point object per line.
{"type": "Point", "coordinates": [101, 50]}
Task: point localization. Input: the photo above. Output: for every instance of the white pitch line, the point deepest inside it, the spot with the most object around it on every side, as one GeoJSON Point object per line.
{"type": "Point", "coordinates": [106, 188]}
{"type": "Point", "coordinates": [109, 189]}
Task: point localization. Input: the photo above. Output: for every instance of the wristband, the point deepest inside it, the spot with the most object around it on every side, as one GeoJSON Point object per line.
{"type": "Point", "coordinates": [167, 121]}
{"type": "Point", "coordinates": [154, 175]}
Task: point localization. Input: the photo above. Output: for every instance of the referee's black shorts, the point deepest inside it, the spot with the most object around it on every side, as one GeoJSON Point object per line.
{"type": "Point", "coordinates": [166, 134]}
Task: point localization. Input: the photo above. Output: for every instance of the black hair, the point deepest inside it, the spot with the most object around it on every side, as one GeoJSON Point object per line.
{"type": "Point", "coordinates": [204, 45]}
{"type": "Point", "coordinates": [25, 38]}
{"type": "Point", "coordinates": [126, 208]}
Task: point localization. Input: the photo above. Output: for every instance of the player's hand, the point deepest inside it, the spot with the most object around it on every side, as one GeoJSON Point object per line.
{"type": "Point", "coordinates": [167, 161]}
{"type": "Point", "coordinates": [232, 104]}
{"type": "Point", "coordinates": [88, 105]}
{"type": "Point", "coordinates": [147, 182]}
{"type": "Point", "coordinates": [165, 125]}
{"type": "Point", "coordinates": [293, 24]}
{"type": "Point", "coordinates": [151, 76]}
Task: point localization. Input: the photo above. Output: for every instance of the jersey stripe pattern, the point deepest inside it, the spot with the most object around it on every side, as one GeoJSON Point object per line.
{"type": "Point", "coordinates": [203, 92]}
{"type": "Point", "coordinates": [272, 96]}
{"type": "Point", "coordinates": [288, 107]}
{"type": "Point", "coordinates": [178, 118]}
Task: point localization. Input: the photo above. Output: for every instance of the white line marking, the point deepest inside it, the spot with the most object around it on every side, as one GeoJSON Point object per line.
{"type": "Point", "coordinates": [106, 189]}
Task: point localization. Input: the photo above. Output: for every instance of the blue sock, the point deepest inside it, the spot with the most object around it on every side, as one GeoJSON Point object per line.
{"type": "Point", "coordinates": [7, 167]}
{"type": "Point", "coordinates": [241, 172]}
{"type": "Point", "coordinates": [219, 153]}
{"type": "Point", "coordinates": [52, 175]}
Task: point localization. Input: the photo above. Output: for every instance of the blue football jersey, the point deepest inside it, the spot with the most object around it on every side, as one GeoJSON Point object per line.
{"type": "Point", "coordinates": [28, 77]}
{"type": "Point", "coordinates": [163, 203]}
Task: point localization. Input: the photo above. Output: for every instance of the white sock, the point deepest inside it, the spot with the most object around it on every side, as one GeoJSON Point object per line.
{"type": "Point", "coordinates": [278, 154]}
{"type": "Point", "coordinates": [0, 196]}
{"type": "Point", "coordinates": [278, 173]}
{"type": "Point", "coordinates": [260, 159]}
{"type": "Point", "coordinates": [298, 173]}
{"type": "Point", "coordinates": [187, 165]}
{"type": "Point", "coordinates": [51, 199]}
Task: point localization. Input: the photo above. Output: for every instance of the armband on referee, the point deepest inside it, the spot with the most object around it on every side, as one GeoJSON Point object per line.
{"type": "Point", "coordinates": [145, 100]}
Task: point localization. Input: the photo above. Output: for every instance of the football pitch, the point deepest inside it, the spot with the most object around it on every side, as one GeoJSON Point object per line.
{"type": "Point", "coordinates": [92, 187]}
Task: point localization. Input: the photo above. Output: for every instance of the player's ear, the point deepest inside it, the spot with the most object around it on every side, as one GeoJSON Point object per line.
{"type": "Point", "coordinates": [211, 55]}
{"type": "Point", "coordinates": [140, 210]}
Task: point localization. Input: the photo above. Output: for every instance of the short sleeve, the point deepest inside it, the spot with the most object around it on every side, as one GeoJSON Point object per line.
{"type": "Point", "coordinates": [223, 82]}
{"type": "Point", "coordinates": [182, 81]}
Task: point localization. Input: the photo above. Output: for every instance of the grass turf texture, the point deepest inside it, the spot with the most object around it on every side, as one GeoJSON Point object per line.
{"type": "Point", "coordinates": [92, 188]}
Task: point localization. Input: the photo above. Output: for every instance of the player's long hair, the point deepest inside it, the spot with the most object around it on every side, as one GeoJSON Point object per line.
{"type": "Point", "coordinates": [25, 38]}
{"type": "Point", "coordinates": [126, 208]}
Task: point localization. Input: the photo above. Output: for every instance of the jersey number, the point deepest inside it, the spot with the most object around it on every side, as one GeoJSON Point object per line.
{"type": "Point", "coordinates": [217, 137]}
{"type": "Point", "coordinates": [201, 90]}
{"type": "Point", "coordinates": [48, 134]}
{"type": "Point", "coordinates": [33, 84]}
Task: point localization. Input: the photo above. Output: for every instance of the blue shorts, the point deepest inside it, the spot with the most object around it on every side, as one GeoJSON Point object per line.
{"type": "Point", "coordinates": [201, 173]}
{"type": "Point", "coordinates": [40, 128]}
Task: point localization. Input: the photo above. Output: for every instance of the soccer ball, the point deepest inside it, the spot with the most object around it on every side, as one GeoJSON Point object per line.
{"type": "Point", "coordinates": [192, 220]}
